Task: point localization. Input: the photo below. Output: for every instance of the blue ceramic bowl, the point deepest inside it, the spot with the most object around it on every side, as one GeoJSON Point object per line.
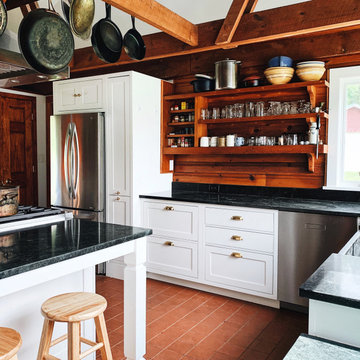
{"type": "Point", "coordinates": [280, 61]}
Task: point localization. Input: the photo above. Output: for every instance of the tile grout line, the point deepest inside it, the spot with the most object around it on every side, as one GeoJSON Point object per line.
{"type": "Point", "coordinates": [196, 325]}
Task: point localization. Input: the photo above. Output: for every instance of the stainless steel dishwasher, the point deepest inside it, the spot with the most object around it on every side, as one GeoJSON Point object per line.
{"type": "Point", "coordinates": [305, 242]}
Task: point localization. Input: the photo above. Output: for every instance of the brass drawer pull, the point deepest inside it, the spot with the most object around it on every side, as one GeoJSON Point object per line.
{"type": "Point", "coordinates": [236, 237]}
{"type": "Point", "coordinates": [117, 198]}
{"type": "Point", "coordinates": [77, 95]}
{"type": "Point", "coordinates": [236, 255]}
{"type": "Point", "coordinates": [169, 243]}
{"type": "Point", "coordinates": [237, 218]}
{"type": "Point", "coordinates": [168, 208]}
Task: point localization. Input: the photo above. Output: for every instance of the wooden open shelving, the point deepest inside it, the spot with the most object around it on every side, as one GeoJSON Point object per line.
{"type": "Point", "coordinates": [310, 117]}
{"type": "Point", "coordinates": [292, 166]}
{"type": "Point", "coordinates": [182, 111]}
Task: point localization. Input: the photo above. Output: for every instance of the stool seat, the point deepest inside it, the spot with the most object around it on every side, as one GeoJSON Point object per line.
{"type": "Point", "coordinates": [73, 307]}
{"type": "Point", "coordinates": [10, 342]}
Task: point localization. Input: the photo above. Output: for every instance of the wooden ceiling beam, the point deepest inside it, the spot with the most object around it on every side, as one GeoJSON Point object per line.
{"type": "Point", "coordinates": [316, 16]}
{"type": "Point", "coordinates": [231, 21]}
{"type": "Point", "coordinates": [251, 6]}
{"type": "Point", "coordinates": [159, 16]}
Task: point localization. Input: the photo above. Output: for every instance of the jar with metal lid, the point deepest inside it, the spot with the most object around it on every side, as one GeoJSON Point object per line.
{"type": "Point", "coordinates": [226, 74]}
{"type": "Point", "coordinates": [313, 134]}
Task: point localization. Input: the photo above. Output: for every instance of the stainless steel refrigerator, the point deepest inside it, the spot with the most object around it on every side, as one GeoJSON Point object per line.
{"type": "Point", "coordinates": [77, 147]}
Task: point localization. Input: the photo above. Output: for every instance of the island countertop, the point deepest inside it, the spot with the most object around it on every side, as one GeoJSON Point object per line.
{"type": "Point", "coordinates": [36, 247]}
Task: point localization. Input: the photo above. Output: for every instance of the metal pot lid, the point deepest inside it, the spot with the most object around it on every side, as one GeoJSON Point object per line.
{"type": "Point", "coordinates": [228, 61]}
{"type": "Point", "coordinates": [81, 16]}
{"type": "Point", "coordinates": [201, 76]}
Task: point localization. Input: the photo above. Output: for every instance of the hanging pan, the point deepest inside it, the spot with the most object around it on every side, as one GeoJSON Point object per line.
{"type": "Point", "coordinates": [3, 17]}
{"type": "Point", "coordinates": [65, 9]}
{"type": "Point", "coordinates": [81, 16]}
{"type": "Point", "coordinates": [46, 41]}
{"type": "Point", "coordinates": [134, 43]}
{"type": "Point", "coordinates": [106, 38]}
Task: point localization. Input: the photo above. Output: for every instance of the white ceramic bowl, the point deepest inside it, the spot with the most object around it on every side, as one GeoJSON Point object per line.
{"type": "Point", "coordinates": [310, 73]}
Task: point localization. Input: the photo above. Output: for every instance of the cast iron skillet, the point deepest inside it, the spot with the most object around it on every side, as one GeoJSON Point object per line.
{"type": "Point", "coordinates": [66, 10]}
{"type": "Point", "coordinates": [46, 41]}
{"type": "Point", "coordinates": [106, 38]}
{"type": "Point", "coordinates": [3, 17]}
{"type": "Point", "coordinates": [134, 43]}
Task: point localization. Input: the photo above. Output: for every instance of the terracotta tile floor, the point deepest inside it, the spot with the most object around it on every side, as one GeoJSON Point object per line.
{"type": "Point", "coordinates": [189, 324]}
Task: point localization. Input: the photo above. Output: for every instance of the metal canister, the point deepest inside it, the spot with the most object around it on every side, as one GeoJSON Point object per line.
{"type": "Point", "coordinates": [226, 74]}
{"type": "Point", "coordinates": [9, 200]}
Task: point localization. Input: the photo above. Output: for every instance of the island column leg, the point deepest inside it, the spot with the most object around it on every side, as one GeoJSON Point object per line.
{"type": "Point", "coordinates": [135, 302]}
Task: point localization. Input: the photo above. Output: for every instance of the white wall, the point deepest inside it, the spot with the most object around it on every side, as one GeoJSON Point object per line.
{"type": "Point", "coordinates": [41, 142]}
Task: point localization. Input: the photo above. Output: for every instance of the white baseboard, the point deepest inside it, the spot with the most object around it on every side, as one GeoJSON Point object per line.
{"type": "Point", "coordinates": [216, 290]}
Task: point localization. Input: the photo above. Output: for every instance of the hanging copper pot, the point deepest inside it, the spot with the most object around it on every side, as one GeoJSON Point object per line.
{"type": "Point", "coordinates": [9, 200]}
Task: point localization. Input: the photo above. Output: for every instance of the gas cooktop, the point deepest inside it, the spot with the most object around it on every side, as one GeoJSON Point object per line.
{"type": "Point", "coordinates": [29, 212]}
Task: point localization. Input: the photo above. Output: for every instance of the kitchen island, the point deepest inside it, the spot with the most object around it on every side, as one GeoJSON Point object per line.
{"type": "Point", "coordinates": [54, 258]}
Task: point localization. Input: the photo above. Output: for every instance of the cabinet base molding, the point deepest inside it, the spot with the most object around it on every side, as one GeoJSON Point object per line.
{"type": "Point", "coordinates": [215, 290]}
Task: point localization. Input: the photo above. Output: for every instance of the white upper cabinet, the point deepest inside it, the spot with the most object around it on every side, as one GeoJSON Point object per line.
{"type": "Point", "coordinates": [75, 96]}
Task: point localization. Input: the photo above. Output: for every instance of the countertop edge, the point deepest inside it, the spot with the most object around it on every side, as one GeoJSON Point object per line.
{"type": "Point", "coordinates": [228, 203]}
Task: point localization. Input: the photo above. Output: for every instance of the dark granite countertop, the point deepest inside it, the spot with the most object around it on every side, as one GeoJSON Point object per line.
{"type": "Point", "coordinates": [335, 281]}
{"type": "Point", "coordinates": [275, 202]}
{"type": "Point", "coordinates": [314, 348]}
{"type": "Point", "coordinates": [36, 247]}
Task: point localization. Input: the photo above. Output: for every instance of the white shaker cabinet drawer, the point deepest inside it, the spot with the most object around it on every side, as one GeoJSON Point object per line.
{"type": "Point", "coordinates": [239, 270]}
{"type": "Point", "coordinates": [172, 257]}
{"type": "Point", "coordinates": [240, 219]}
{"type": "Point", "coordinates": [171, 219]}
{"type": "Point", "coordinates": [239, 239]}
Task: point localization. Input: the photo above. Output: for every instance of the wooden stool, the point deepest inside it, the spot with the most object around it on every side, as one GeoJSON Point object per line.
{"type": "Point", "coordinates": [74, 308]}
{"type": "Point", "coordinates": [10, 342]}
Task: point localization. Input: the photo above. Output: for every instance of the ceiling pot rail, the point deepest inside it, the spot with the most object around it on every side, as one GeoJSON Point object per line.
{"type": "Point", "coordinates": [268, 25]}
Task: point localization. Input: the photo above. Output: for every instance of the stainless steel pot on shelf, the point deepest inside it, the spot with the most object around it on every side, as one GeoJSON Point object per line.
{"type": "Point", "coordinates": [226, 74]}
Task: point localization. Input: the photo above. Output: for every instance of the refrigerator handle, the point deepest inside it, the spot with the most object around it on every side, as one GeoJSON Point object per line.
{"type": "Point", "coordinates": [66, 159]}
{"type": "Point", "coordinates": [76, 163]}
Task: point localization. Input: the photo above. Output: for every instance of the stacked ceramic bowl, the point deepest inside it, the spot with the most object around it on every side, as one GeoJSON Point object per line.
{"type": "Point", "coordinates": [280, 70]}
{"type": "Point", "coordinates": [310, 70]}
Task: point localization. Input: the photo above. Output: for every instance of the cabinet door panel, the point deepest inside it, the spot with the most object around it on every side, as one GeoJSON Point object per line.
{"type": "Point", "coordinates": [118, 137]}
{"type": "Point", "coordinates": [251, 271]}
{"type": "Point", "coordinates": [119, 210]}
{"type": "Point", "coordinates": [76, 96]}
{"type": "Point", "coordinates": [172, 257]}
{"type": "Point", "coordinates": [240, 218]}
{"type": "Point", "coordinates": [172, 219]}
{"type": "Point", "coordinates": [239, 239]}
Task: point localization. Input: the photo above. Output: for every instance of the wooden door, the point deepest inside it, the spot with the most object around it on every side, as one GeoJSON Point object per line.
{"type": "Point", "coordinates": [18, 145]}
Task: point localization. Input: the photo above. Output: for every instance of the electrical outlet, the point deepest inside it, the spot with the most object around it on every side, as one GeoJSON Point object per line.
{"type": "Point", "coordinates": [214, 188]}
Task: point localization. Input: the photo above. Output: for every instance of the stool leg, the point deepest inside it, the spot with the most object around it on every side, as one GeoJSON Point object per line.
{"type": "Point", "coordinates": [103, 337]}
{"type": "Point", "coordinates": [74, 341]}
{"type": "Point", "coordinates": [45, 340]}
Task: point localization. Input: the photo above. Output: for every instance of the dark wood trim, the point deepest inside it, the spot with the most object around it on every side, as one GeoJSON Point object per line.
{"type": "Point", "coordinates": [49, 112]}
